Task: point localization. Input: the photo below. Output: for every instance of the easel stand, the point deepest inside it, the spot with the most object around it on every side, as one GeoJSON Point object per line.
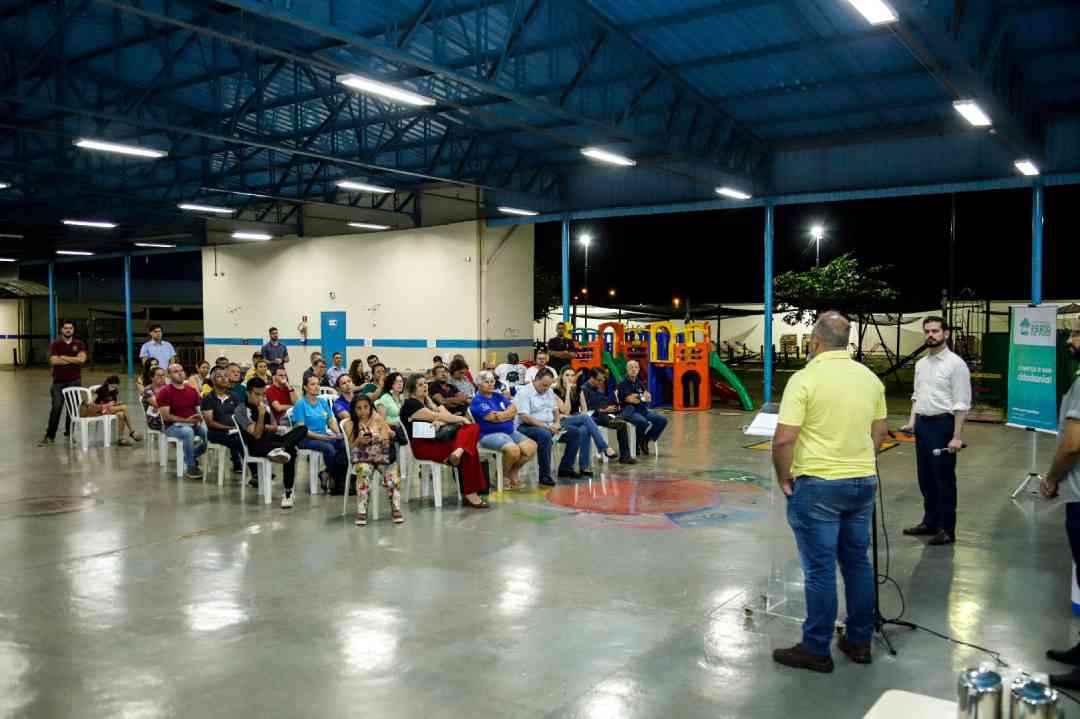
{"type": "Point", "coordinates": [1033, 466]}
{"type": "Point", "coordinates": [880, 622]}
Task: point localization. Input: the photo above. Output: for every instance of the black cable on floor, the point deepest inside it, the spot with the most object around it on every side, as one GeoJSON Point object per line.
{"type": "Point", "coordinates": [886, 577]}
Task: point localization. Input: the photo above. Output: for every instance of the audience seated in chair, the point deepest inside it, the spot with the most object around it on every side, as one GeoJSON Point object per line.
{"type": "Point", "coordinates": [236, 387]}
{"type": "Point", "coordinates": [153, 381]}
{"type": "Point", "coordinates": [605, 413]}
{"type": "Point", "coordinates": [200, 377]}
{"type": "Point", "coordinates": [280, 394]}
{"type": "Point", "coordinates": [316, 358]}
{"type": "Point", "coordinates": [460, 451]}
{"type": "Point", "coordinates": [373, 388]}
{"type": "Point", "coordinates": [461, 378]}
{"type": "Point", "coordinates": [635, 399]}
{"type": "Point", "coordinates": [256, 420]}
{"type": "Point", "coordinates": [574, 409]}
{"type": "Point", "coordinates": [371, 449]}
{"type": "Point", "coordinates": [336, 369]}
{"type": "Point", "coordinates": [147, 365]}
{"type": "Point", "coordinates": [538, 419]}
{"type": "Point", "coordinates": [511, 372]}
{"type": "Point", "coordinates": [261, 369]}
{"type": "Point", "coordinates": [542, 359]}
{"type": "Point", "coordinates": [106, 401]}
{"type": "Point", "coordinates": [178, 405]}
{"type": "Point", "coordinates": [393, 395]}
{"type": "Point", "coordinates": [468, 373]}
{"type": "Point", "coordinates": [499, 385]}
{"type": "Point", "coordinates": [346, 392]}
{"type": "Point", "coordinates": [218, 409]}
{"type": "Point", "coordinates": [445, 394]}
{"type": "Point", "coordinates": [494, 412]}
{"type": "Point", "coordinates": [357, 372]}
{"type": "Point", "coordinates": [323, 435]}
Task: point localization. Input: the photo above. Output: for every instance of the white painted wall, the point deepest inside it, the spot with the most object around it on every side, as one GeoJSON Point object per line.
{"type": "Point", "coordinates": [412, 284]}
{"type": "Point", "coordinates": [9, 326]}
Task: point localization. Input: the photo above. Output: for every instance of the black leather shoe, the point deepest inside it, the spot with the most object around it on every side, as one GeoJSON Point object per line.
{"type": "Point", "coordinates": [920, 530]}
{"type": "Point", "coordinates": [1069, 656]}
{"type": "Point", "coordinates": [547, 482]}
{"type": "Point", "coordinates": [1066, 681]}
{"type": "Point", "coordinates": [799, 658]}
{"type": "Point", "coordinates": [570, 475]}
{"type": "Point", "coordinates": [585, 473]}
{"type": "Point", "coordinates": [627, 460]}
{"type": "Point", "coordinates": [858, 653]}
{"type": "Point", "coordinates": [942, 537]}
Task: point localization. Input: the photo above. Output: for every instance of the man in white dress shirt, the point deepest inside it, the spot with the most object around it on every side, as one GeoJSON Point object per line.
{"type": "Point", "coordinates": [939, 407]}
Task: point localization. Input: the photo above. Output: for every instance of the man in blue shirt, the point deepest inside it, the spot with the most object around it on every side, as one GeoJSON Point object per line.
{"type": "Point", "coordinates": [605, 414]}
{"type": "Point", "coordinates": [635, 399]}
{"type": "Point", "coordinates": [157, 348]}
{"type": "Point", "coordinates": [538, 419]}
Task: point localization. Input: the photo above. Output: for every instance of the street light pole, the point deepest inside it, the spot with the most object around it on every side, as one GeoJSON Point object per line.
{"type": "Point", "coordinates": [586, 240]}
{"type": "Point", "coordinates": [817, 232]}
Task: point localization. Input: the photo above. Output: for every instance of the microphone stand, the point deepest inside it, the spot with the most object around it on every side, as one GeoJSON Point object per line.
{"type": "Point", "coordinates": [880, 622]}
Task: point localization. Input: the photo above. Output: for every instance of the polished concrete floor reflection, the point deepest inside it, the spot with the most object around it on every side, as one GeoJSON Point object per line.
{"type": "Point", "coordinates": [129, 593]}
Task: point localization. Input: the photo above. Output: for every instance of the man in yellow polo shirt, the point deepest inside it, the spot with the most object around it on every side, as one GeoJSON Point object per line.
{"type": "Point", "coordinates": [832, 420]}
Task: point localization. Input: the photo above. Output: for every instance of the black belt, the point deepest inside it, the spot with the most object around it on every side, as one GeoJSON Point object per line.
{"type": "Point", "coordinates": [934, 416]}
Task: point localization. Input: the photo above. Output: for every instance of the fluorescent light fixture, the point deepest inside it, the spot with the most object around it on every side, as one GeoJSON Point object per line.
{"type": "Point", "coordinates": [116, 147]}
{"type": "Point", "coordinates": [11, 237]}
{"type": "Point", "coordinates": [1027, 167]}
{"type": "Point", "coordinates": [4, 185]}
{"type": "Point", "coordinates": [206, 208]}
{"type": "Point", "coordinates": [876, 12]}
{"type": "Point", "coordinates": [604, 156]}
{"type": "Point", "coordinates": [364, 187]}
{"type": "Point", "coordinates": [374, 87]}
{"type": "Point", "coordinates": [732, 193]}
{"type": "Point", "coordinates": [91, 223]}
{"type": "Point", "coordinates": [369, 226]}
{"type": "Point", "coordinates": [152, 244]}
{"type": "Point", "coordinates": [251, 236]}
{"type": "Point", "coordinates": [8, 259]}
{"type": "Point", "coordinates": [516, 211]}
{"type": "Point", "coordinates": [79, 253]}
{"type": "Point", "coordinates": [972, 113]}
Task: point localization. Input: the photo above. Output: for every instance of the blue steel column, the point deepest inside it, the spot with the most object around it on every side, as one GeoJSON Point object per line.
{"type": "Point", "coordinates": [1037, 244]}
{"type": "Point", "coordinates": [565, 271]}
{"type": "Point", "coordinates": [52, 304]}
{"type": "Point", "coordinates": [127, 314]}
{"type": "Point", "coordinates": [767, 344]}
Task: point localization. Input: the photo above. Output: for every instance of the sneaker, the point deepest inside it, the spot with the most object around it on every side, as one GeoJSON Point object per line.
{"type": "Point", "coordinates": [1070, 680]}
{"type": "Point", "coordinates": [46, 442]}
{"type": "Point", "coordinates": [1068, 656]}
{"type": "Point", "coordinates": [361, 519]}
{"type": "Point", "coordinates": [920, 530]}
{"type": "Point", "coordinates": [799, 658]}
{"type": "Point", "coordinates": [253, 483]}
{"type": "Point", "coordinates": [942, 537]}
{"type": "Point", "coordinates": [287, 500]}
{"type": "Point", "coordinates": [194, 473]}
{"type": "Point", "coordinates": [858, 653]}
{"type": "Point", "coordinates": [278, 456]}
{"type": "Point", "coordinates": [397, 516]}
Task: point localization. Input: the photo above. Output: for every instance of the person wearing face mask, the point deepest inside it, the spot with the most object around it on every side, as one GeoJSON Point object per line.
{"type": "Point", "coordinates": [939, 407]}
{"type": "Point", "coordinates": [1063, 480]}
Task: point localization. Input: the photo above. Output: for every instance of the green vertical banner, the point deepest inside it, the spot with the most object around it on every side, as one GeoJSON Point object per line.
{"type": "Point", "coordinates": [1032, 367]}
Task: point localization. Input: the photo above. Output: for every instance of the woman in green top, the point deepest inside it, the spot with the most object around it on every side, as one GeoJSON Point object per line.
{"type": "Point", "coordinates": [389, 404]}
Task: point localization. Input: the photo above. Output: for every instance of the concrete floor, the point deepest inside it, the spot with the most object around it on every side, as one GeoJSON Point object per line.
{"type": "Point", "coordinates": [172, 598]}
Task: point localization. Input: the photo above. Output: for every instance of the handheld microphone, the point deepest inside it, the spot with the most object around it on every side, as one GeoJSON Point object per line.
{"type": "Point", "coordinates": [945, 450]}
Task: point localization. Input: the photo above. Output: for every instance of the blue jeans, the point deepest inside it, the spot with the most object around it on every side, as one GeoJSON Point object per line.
{"type": "Point", "coordinates": [498, 440]}
{"type": "Point", "coordinates": [648, 425]}
{"type": "Point", "coordinates": [585, 422]}
{"type": "Point", "coordinates": [831, 521]}
{"type": "Point", "coordinates": [333, 454]}
{"type": "Point", "coordinates": [186, 434]}
{"type": "Point", "coordinates": [542, 437]}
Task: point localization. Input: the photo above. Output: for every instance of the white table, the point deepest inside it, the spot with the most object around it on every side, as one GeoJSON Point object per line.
{"type": "Point", "coordinates": [897, 704]}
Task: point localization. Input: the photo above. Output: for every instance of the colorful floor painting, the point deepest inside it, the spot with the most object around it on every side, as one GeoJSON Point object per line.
{"type": "Point", "coordinates": [711, 497]}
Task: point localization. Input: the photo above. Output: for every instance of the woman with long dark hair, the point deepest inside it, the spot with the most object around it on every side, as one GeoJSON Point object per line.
{"type": "Point", "coordinates": [575, 411]}
{"type": "Point", "coordinates": [106, 401]}
{"type": "Point", "coordinates": [371, 450]}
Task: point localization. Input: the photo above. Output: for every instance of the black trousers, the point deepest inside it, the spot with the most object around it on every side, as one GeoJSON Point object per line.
{"type": "Point", "coordinates": [288, 441]}
{"type": "Point", "coordinates": [56, 394]}
{"type": "Point", "coordinates": [1072, 529]}
{"type": "Point", "coordinates": [230, 440]}
{"type": "Point", "coordinates": [937, 475]}
{"type": "Point", "coordinates": [603, 420]}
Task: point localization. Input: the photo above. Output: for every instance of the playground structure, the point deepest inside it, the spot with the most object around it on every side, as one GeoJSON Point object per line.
{"type": "Point", "coordinates": [680, 368]}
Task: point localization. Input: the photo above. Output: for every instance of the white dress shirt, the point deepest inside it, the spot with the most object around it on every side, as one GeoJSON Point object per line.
{"type": "Point", "coordinates": [942, 384]}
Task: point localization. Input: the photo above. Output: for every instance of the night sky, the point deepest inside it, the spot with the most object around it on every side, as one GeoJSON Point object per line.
{"type": "Point", "coordinates": [717, 256]}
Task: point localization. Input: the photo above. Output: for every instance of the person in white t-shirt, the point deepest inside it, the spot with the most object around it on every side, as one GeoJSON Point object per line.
{"type": "Point", "coordinates": [511, 372]}
{"type": "Point", "coordinates": [542, 359]}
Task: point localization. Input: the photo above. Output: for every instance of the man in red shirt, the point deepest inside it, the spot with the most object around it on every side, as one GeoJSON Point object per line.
{"type": "Point", "coordinates": [67, 356]}
{"type": "Point", "coordinates": [178, 403]}
{"type": "Point", "coordinates": [280, 395]}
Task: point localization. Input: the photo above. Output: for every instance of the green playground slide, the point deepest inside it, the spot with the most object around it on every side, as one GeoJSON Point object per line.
{"type": "Point", "coordinates": [716, 365]}
{"type": "Point", "coordinates": [617, 365]}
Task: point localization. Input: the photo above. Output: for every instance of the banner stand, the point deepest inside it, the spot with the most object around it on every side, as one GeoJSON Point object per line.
{"type": "Point", "coordinates": [1032, 397]}
{"type": "Point", "coordinates": [1033, 467]}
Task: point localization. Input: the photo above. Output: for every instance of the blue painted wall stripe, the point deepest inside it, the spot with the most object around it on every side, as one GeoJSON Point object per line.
{"type": "Point", "coordinates": [399, 343]}
{"type": "Point", "coordinates": [383, 342]}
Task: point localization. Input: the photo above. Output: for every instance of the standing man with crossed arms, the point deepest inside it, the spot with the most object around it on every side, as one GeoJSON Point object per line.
{"type": "Point", "coordinates": [939, 407]}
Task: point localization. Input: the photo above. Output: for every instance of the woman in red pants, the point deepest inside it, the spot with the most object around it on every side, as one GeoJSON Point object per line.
{"type": "Point", "coordinates": [460, 452]}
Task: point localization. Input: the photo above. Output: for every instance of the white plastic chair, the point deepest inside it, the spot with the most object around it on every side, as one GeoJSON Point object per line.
{"type": "Point", "coordinates": [263, 466]}
{"type": "Point", "coordinates": [314, 464]}
{"type": "Point", "coordinates": [435, 471]}
{"type": "Point", "coordinates": [328, 392]}
{"type": "Point", "coordinates": [73, 400]}
{"type": "Point", "coordinates": [224, 454]}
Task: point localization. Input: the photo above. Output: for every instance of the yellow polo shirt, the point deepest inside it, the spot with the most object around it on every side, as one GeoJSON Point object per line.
{"type": "Point", "coordinates": [834, 400]}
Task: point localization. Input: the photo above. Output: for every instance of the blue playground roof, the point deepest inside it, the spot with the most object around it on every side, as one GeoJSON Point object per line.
{"type": "Point", "coordinates": [776, 98]}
